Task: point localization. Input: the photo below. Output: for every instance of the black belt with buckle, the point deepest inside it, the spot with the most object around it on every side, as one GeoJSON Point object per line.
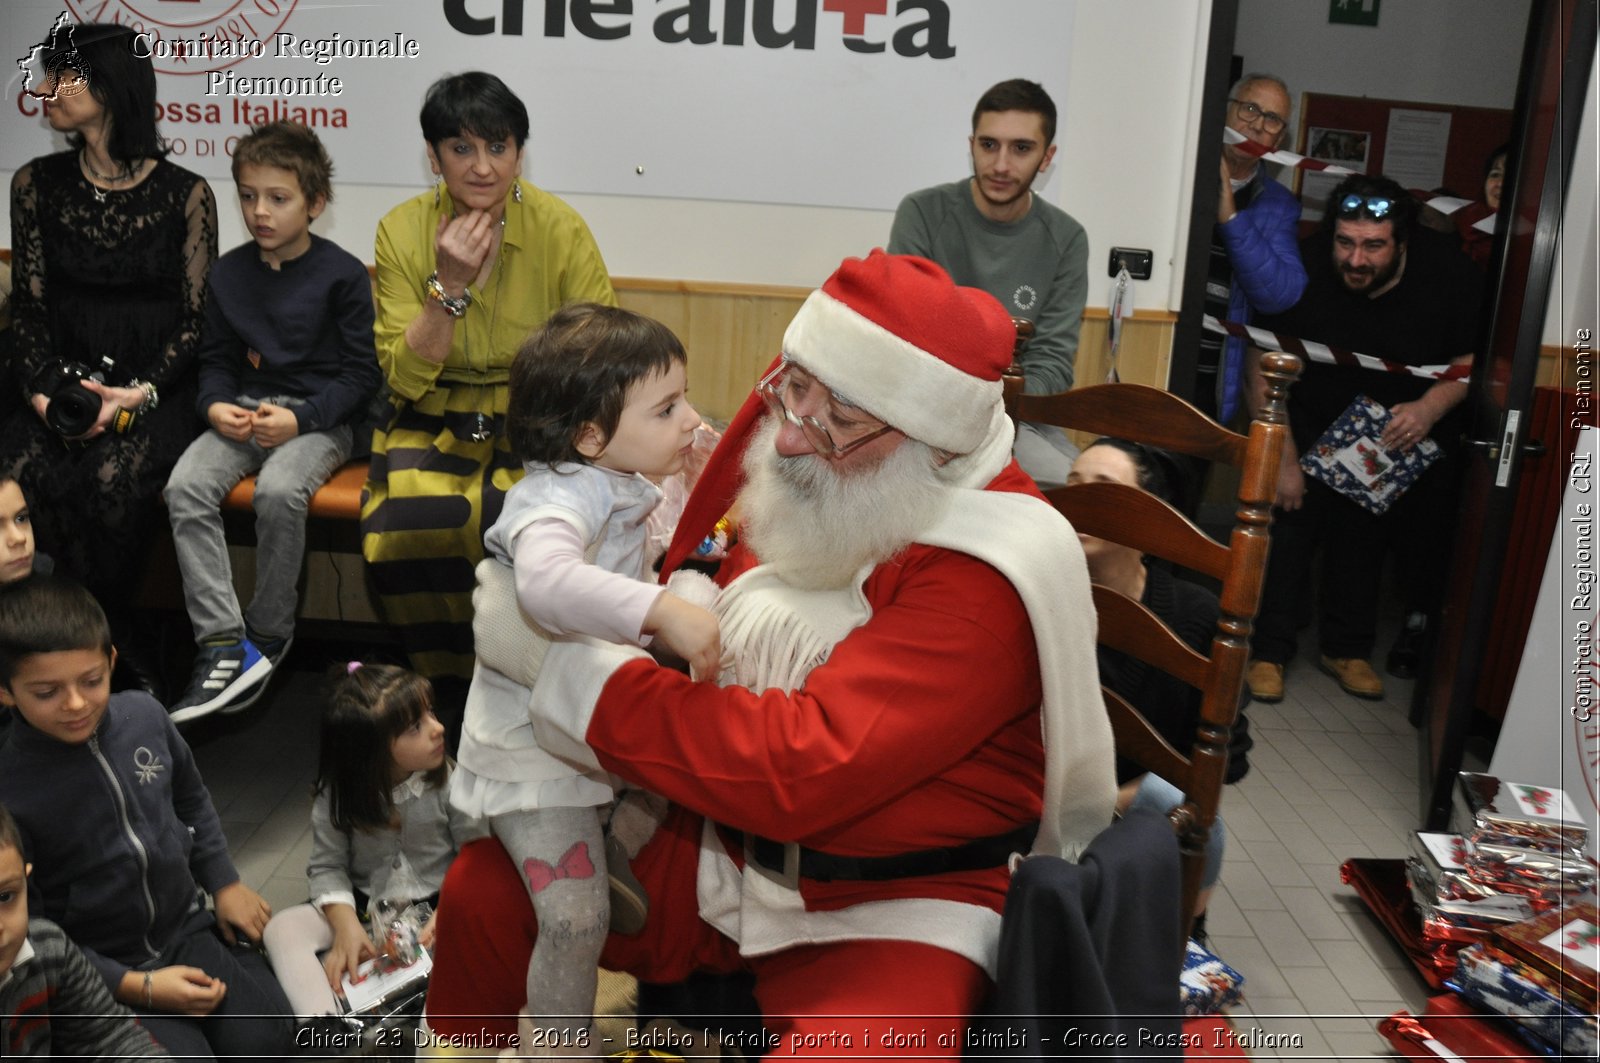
{"type": "Point", "coordinates": [975, 855]}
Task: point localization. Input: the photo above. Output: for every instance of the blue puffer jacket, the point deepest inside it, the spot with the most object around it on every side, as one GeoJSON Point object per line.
{"type": "Point", "coordinates": [120, 830]}
{"type": "Point", "coordinates": [1268, 276]}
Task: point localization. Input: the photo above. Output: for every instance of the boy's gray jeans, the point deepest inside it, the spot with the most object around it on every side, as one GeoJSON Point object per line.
{"type": "Point", "coordinates": [287, 476]}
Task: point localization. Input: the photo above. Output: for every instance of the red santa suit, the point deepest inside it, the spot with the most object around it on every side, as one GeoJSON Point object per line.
{"type": "Point", "coordinates": [903, 718]}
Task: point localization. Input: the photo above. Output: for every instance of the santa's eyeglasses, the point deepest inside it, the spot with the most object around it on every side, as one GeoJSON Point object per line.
{"type": "Point", "coordinates": [1377, 208]}
{"type": "Point", "coordinates": [790, 380]}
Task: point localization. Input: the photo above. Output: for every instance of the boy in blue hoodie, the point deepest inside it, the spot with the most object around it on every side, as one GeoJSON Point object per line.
{"type": "Point", "coordinates": [122, 835]}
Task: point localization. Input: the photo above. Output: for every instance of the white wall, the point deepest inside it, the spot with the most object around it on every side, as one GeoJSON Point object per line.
{"type": "Point", "coordinates": [1573, 296]}
{"type": "Point", "coordinates": [1120, 172]}
{"type": "Point", "coordinates": [1462, 52]}
{"type": "Point", "coordinates": [1125, 135]}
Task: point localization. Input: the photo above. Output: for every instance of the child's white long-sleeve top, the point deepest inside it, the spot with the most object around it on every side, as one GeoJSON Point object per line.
{"type": "Point", "coordinates": [576, 536]}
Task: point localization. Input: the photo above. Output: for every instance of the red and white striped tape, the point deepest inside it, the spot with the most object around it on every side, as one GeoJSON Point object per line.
{"type": "Point", "coordinates": [1322, 352]}
{"type": "Point", "coordinates": [1442, 204]}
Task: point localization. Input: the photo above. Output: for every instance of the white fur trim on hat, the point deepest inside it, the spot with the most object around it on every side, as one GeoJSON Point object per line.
{"type": "Point", "coordinates": [919, 393]}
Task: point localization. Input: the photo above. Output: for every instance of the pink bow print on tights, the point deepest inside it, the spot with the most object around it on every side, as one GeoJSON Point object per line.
{"type": "Point", "coordinates": [574, 863]}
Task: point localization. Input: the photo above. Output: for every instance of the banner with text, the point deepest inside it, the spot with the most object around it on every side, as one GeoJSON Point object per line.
{"type": "Point", "coordinates": [840, 103]}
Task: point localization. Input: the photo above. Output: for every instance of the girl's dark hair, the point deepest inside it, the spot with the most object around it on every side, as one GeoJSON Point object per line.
{"type": "Point", "coordinates": [475, 102]}
{"type": "Point", "coordinates": [123, 81]}
{"type": "Point", "coordinates": [1155, 469]}
{"type": "Point", "coordinates": [369, 709]}
{"type": "Point", "coordinates": [576, 370]}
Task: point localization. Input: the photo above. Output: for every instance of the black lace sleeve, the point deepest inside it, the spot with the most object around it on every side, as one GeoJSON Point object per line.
{"type": "Point", "coordinates": [29, 320]}
{"type": "Point", "coordinates": [199, 252]}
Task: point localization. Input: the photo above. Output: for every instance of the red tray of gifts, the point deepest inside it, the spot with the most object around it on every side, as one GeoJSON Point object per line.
{"type": "Point", "coordinates": [1381, 885]}
{"type": "Point", "coordinates": [1451, 1028]}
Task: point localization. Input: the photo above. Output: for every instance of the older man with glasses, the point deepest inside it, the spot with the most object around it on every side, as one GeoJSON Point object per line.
{"type": "Point", "coordinates": [1379, 285]}
{"type": "Point", "coordinates": [1255, 263]}
{"type": "Point", "coordinates": [907, 628]}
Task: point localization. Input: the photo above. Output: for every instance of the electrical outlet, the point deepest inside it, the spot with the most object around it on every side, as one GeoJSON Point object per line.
{"type": "Point", "coordinates": [1136, 259]}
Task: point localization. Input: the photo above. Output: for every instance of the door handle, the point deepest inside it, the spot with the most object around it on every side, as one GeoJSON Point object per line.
{"type": "Point", "coordinates": [1499, 451]}
{"type": "Point", "coordinates": [1533, 448]}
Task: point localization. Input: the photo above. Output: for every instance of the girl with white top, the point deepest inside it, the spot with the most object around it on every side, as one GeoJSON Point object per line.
{"type": "Point", "coordinates": [598, 416]}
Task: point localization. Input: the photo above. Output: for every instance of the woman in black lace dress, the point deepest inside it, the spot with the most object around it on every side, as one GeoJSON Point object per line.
{"type": "Point", "coordinates": [111, 245]}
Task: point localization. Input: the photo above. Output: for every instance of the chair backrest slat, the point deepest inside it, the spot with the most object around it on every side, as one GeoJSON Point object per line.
{"type": "Point", "coordinates": [1126, 515]}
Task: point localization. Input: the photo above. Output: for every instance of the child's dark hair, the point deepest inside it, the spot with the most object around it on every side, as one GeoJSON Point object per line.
{"type": "Point", "coordinates": [371, 706]}
{"type": "Point", "coordinates": [576, 370]}
{"type": "Point", "coordinates": [10, 836]}
{"type": "Point", "coordinates": [47, 614]}
{"type": "Point", "coordinates": [288, 146]}
{"type": "Point", "coordinates": [1155, 469]}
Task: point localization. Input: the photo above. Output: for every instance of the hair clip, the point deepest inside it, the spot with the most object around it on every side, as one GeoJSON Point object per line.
{"type": "Point", "coordinates": [352, 668]}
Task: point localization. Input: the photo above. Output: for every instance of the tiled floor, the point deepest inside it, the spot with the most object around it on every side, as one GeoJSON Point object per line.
{"type": "Point", "coordinates": [1332, 777]}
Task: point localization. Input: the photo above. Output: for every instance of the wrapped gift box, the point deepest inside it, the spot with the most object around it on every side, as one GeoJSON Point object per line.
{"type": "Point", "coordinates": [1524, 815]}
{"type": "Point", "coordinates": [1501, 983]}
{"type": "Point", "coordinates": [1563, 945]}
{"type": "Point", "coordinates": [1207, 985]}
{"type": "Point", "coordinates": [1547, 878]}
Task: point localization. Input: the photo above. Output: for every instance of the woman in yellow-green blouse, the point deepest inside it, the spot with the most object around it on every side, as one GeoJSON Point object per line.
{"type": "Point", "coordinates": [465, 272]}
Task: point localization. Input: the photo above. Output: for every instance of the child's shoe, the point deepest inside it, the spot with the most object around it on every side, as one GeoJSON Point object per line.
{"type": "Point", "coordinates": [630, 904]}
{"type": "Point", "coordinates": [274, 650]}
{"type": "Point", "coordinates": [222, 676]}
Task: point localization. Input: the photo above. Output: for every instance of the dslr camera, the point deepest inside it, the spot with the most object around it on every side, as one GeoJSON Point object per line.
{"type": "Point", "coordinates": [73, 408]}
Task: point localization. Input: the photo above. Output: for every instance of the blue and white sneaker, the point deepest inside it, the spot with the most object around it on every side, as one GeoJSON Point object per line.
{"type": "Point", "coordinates": [274, 650]}
{"type": "Point", "coordinates": [222, 676]}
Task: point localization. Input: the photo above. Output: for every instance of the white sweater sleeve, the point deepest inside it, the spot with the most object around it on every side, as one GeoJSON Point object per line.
{"type": "Point", "coordinates": [568, 596]}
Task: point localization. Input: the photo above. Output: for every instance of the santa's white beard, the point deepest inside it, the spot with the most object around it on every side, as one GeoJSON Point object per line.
{"type": "Point", "coordinates": [817, 524]}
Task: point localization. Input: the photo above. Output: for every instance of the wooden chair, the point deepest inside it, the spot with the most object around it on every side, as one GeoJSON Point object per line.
{"type": "Point", "coordinates": [1135, 518]}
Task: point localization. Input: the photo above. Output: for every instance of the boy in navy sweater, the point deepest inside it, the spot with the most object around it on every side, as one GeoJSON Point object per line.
{"type": "Point", "coordinates": [287, 369]}
{"type": "Point", "coordinates": [122, 835]}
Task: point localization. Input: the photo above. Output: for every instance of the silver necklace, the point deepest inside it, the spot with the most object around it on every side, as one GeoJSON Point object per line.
{"type": "Point", "coordinates": [481, 424]}
{"type": "Point", "coordinates": [110, 179]}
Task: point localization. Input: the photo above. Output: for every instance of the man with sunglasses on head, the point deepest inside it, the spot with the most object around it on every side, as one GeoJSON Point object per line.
{"type": "Point", "coordinates": [991, 231]}
{"type": "Point", "coordinates": [1255, 262]}
{"type": "Point", "coordinates": [1384, 286]}
{"type": "Point", "coordinates": [903, 620]}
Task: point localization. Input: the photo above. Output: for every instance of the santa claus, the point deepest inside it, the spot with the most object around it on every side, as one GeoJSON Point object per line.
{"type": "Point", "coordinates": [907, 628]}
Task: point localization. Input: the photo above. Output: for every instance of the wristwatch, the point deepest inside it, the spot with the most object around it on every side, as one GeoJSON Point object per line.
{"type": "Point", "coordinates": [452, 305]}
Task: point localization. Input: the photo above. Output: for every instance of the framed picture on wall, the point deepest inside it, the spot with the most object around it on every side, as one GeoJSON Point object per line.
{"type": "Point", "coordinates": [1350, 148]}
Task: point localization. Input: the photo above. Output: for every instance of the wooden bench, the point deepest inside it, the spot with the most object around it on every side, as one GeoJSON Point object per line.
{"type": "Point", "coordinates": [337, 502]}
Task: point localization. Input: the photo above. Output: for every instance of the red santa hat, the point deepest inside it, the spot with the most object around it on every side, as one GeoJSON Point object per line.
{"type": "Point", "coordinates": [895, 336]}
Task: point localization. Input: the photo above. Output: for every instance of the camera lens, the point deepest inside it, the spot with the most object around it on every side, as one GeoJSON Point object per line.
{"type": "Point", "coordinates": [72, 410]}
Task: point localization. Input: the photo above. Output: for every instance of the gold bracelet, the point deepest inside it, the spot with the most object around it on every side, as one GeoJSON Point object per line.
{"type": "Point", "coordinates": [149, 997]}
